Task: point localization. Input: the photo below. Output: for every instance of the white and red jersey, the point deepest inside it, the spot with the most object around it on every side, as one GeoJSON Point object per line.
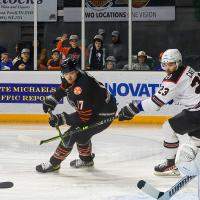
{"type": "Point", "coordinates": [183, 87]}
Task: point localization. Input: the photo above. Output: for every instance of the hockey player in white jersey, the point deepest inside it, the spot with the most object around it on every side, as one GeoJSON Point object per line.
{"type": "Point", "coordinates": [182, 86]}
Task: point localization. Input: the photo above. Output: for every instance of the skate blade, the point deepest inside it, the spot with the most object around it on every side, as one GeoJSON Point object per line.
{"type": "Point", "coordinates": [174, 173]}
{"type": "Point", "coordinates": [83, 167]}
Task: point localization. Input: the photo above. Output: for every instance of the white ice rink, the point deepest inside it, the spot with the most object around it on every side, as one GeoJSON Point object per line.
{"type": "Point", "coordinates": [123, 156]}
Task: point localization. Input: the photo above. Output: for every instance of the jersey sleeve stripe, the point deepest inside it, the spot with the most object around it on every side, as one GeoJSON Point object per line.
{"type": "Point", "coordinates": [84, 119]}
{"type": "Point", "coordinates": [81, 114]}
{"type": "Point", "coordinates": [85, 111]}
{"type": "Point", "coordinates": [157, 101]}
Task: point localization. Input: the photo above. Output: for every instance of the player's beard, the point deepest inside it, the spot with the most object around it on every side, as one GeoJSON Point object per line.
{"type": "Point", "coordinates": [168, 72]}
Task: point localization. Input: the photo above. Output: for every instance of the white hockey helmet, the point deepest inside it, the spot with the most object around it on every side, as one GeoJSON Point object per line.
{"type": "Point", "coordinates": [171, 55]}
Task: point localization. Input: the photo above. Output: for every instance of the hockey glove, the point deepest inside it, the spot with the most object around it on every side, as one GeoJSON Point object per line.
{"type": "Point", "coordinates": [49, 104]}
{"type": "Point", "coordinates": [57, 120]}
{"type": "Point", "coordinates": [128, 112]}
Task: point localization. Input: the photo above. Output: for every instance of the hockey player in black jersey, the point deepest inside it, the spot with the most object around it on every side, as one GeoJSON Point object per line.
{"type": "Point", "coordinates": [93, 103]}
{"type": "Point", "coordinates": [182, 86]}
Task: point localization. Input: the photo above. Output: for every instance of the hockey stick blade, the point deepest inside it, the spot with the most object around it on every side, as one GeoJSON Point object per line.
{"type": "Point", "coordinates": [6, 184]}
{"type": "Point", "coordinates": [149, 189]}
{"type": "Point", "coordinates": [156, 194]}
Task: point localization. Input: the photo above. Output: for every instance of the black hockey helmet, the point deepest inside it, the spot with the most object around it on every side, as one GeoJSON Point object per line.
{"type": "Point", "coordinates": [69, 65]}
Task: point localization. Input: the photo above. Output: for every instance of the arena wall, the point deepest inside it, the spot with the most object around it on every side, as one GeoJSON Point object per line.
{"type": "Point", "coordinates": [22, 93]}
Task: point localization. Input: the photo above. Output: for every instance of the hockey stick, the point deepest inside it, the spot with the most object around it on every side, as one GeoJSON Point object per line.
{"type": "Point", "coordinates": [79, 129]}
{"type": "Point", "coordinates": [6, 184]}
{"type": "Point", "coordinates": [156, 194]}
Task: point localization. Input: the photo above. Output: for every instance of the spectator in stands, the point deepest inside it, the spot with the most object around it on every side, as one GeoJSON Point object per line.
{"type": "Point", "coordinates": [158, 67]}
{"type": "Point", "coordinates": [101, 32]}
{"type": "Point", "coordinates": [110, 63]}
{"type": "Point", "coordinates": [5, 63]}
{"type": "Point", "coordinates": [55, 42]}
{"type": "Point", "coordinates": [141, 62]}
{"type": "Point", "coordinates": [18, 48]}
{"type": "Point", "coordinates": [55, 61]}
{"type": "Point", "coordinates": [74, 51]}
{"type": "Point", "coordinates": [24, 64]}
{"type": "Point", "coordinates": [97, 54]}
{"type": "Point", "coordinates": [41, 56]}
{"type": "Point", "coordinates": [118, 50]}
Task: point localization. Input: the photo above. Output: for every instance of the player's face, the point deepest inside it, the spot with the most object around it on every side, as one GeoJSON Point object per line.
{"type": "Point", "coordinates": [70, 77]}
{"type": "Point", "coordinates": [170, 67]}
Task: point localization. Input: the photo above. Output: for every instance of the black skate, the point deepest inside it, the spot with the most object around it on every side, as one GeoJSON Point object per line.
{"type": "Point", "coordinates": [167, 168]}
{"type": "Point", "coordinates": [78, 163]}
{"type": "Point", "coordinates": [47, 167]}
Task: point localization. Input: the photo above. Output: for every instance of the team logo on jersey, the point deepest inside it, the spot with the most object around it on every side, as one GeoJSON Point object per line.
{"type": "Point", "coordinates": [99, 4]}
{"type": "Point", "coordinates": [140, 3]}
{"type": "Point", "coordinates": [77, 90]}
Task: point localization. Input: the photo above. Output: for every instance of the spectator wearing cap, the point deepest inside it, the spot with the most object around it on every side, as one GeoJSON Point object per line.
{"type": "Point", "coordinates": [25, 63]}
{"type": "Point", "coordinates": [110, 63]}
{"type": "Point", "coordinates": [55, 62]}
{"type": "Point", "coordinates": [141, 62]}
{"type": "Point", "coordinates": [74, 51]}
{"type": "Point", "coordinates": [97, 54]}
{"type": "Point", "coordinates": [118, 50]}
{"type": "Point", "coordinates": [5, 62]}
{"type": "Point", "coordinates": [102, 32]}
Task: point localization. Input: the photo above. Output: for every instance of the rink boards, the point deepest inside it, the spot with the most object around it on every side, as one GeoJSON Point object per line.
{"type": "Point", "coordinates": [22, 93]}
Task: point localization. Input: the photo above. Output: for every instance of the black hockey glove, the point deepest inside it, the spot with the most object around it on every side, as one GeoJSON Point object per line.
{"type": "Point", "coordinates": [49, 104]}
{"type": "Point", "coordinates": [128, 112]}
{"type": "Point", "coordinates": [58, 120]}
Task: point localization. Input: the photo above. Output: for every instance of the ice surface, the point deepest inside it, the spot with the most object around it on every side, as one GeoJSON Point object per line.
{"type": "Point", "coordinates": [124, 155]}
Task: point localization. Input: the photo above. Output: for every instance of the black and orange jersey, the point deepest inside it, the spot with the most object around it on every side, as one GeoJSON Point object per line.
{"type": "Point", "coordinates": [88, 96]}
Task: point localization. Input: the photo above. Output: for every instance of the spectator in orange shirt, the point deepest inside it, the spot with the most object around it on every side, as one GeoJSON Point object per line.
{"type": "Point", "coordinates": [74, 51]}
{"type": "Point", "coordinates": [55, 62]}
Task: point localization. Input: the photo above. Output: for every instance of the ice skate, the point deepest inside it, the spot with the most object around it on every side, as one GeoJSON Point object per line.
{"type": "Point", "coordinates": [78, 163]}
{"type": "Point", "coordinates": [167, 168]}
{"type": "Point", "coordinates": [47, 167]}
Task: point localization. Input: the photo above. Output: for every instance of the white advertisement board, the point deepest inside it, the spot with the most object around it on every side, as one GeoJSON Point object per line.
{"type": "Point", "coordinates": [23, 92]}
{"type": "Point", "coordinates": [164, 13]}
{"type": "Point", "coordinates": [22, 10]}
